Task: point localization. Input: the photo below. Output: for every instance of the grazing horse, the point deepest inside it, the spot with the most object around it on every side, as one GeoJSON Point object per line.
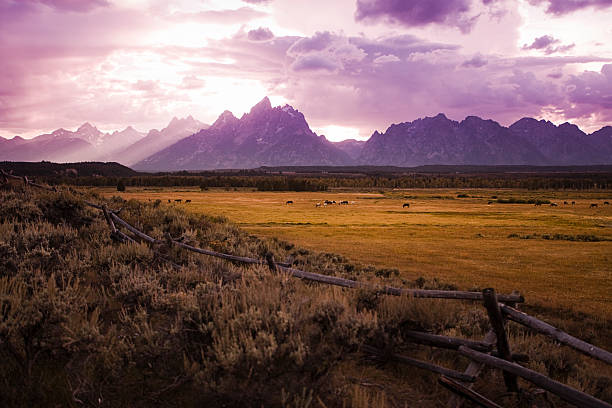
{"type": "Point", "coordinates": [289, 202]}
{"type": "Point", "coordinates": [593, 205]}
{"type": "Point", "coordinates": [573, 203]}
{"type": "Point", "coordinates": [344, 202]}
{"type": "Point", "coordinates": [327, 202]}
{"type": "Point", "coordinates": [406, 205]}
{"type": "Point", "coordinates": [553, 205]}
{"type": "Point", "coordinates": [178, 200]}
{"type": "Point", "coordinates": [565, 203]}
{"type": "Point", "coordinates": [187, 201]}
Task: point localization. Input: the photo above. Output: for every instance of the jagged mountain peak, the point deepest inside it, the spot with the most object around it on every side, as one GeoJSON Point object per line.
{"type": "Point", "coordinates": [60, 131]}
{"type": "Point", "coordinates": [265, 136]}
{"type": "Point", "coordinates": [530, 122]}
{"type": "Point", "coordinates": [440, 116]}
{"type": "Point", "coordinates": [224, 119]}
{"type": "Point", "coordinates": [261, 106]}
{"type": "Point", "coordinates": [569, 126]}
{"type": "Point", "coordinates": [85, 127]}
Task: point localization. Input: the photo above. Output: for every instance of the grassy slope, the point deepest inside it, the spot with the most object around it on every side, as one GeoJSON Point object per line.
{"type": "Point", "coordinates": [459, 240]}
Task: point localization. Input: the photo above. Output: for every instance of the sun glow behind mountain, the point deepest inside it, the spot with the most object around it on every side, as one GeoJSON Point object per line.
{"type": "Point", "coordinates": [358, 66]}
{"type": "Point", "coordinates": [335, 133]}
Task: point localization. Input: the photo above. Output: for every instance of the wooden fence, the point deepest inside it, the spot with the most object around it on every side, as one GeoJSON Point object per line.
{"type": "Point", "coordinates": [493, 350]}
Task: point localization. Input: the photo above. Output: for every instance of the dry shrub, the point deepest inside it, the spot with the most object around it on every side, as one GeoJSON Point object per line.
{"type": "Point", "coordinates": [18, 210]}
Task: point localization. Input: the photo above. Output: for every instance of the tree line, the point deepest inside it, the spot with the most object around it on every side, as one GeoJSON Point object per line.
{"type": "Point", "coordinates": [296, 182]}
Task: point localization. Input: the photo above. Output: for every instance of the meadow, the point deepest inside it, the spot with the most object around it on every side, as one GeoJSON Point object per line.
{"type": "Point", "coordinates": [558, 257]}
{"type": "Point", "coordinates": [88, 320]}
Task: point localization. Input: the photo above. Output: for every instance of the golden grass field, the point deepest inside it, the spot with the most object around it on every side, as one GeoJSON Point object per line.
{"type": "Point", "coordinates": [464, 241]}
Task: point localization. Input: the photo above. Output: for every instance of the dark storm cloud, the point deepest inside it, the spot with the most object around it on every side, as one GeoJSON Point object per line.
{"type": "Point", "coordinates": [547, 44]}
{"type": "Point", "coordinates": [417, 12]}
{"type": "Point", "coordinates": [560, 7]}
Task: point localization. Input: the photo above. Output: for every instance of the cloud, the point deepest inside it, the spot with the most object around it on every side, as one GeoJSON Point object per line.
{"type": "Point", "coordinates": [541, 42]}
{"type": "Point", "coordinates": [591, 91]}
{"type": "Point", "coordinates": [260, 34]}
{"type": "Point", "coordinates": [561, 7]}
{"type": "Point", "coordinates": [453, 13]}
{"type": "Point", "coordinates": [79, 6]}
{"type": "Point", "coordinates": [115, 66]}
{"type": "Point", "coordinates": [324, 51]}
{"type": "Point", "coordinates": [147, 86]}
{"type": "Point", "coordinates": [318, 42]}
{"type": "Point", "coordinates": [315, 63]}
{"type": "Point", "coordinates": [546, 43]}
{"type": "Point", "coordinates": [476, 61]}
{"type": "Point", "coordinates": [228, 16]}
{"type": "Point", "coordinates": [383, 59]}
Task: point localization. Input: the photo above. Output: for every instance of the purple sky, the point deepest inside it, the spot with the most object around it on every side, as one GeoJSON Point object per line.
{"type": "Point", "coordinates": [351, 66]}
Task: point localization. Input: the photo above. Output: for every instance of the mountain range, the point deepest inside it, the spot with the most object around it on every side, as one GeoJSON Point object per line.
{"type": "Point", "coordinates": [280, 136]}
{"type": "Point", "coordinates": [87, 143]}
{"type": "Point", "coordinates": [268, 136]}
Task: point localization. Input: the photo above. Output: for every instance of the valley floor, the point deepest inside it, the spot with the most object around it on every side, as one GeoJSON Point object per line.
{"type": "Point", "coordinates": [558, 257]}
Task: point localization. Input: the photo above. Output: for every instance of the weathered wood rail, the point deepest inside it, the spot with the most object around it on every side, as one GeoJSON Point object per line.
{"type": "Point", "coordinates": [551, 331]}
{"type": "Point", "coordinates": [493, 351]}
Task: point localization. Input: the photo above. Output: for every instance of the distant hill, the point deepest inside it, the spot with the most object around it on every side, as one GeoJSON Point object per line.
{"type": "Point", "coordinates": [265, 136]}
{"type": "Point", "coordinates": [83, 169]}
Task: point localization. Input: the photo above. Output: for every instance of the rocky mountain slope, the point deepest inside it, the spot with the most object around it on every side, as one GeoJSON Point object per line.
{"type": "Point", "coordinates": [439, 140]}
{"type": "Point", "coordinates": [351, 147]}
{"type": "Point", "coordinates": [157, 140]}
{"type": "Point", "coordinates": [266, 136]}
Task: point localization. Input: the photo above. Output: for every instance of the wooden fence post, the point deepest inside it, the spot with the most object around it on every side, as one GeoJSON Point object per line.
{"type": "Point", "coordinates": [497, 323]}
{"type": "Point", "coordinates": [271, 263]}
